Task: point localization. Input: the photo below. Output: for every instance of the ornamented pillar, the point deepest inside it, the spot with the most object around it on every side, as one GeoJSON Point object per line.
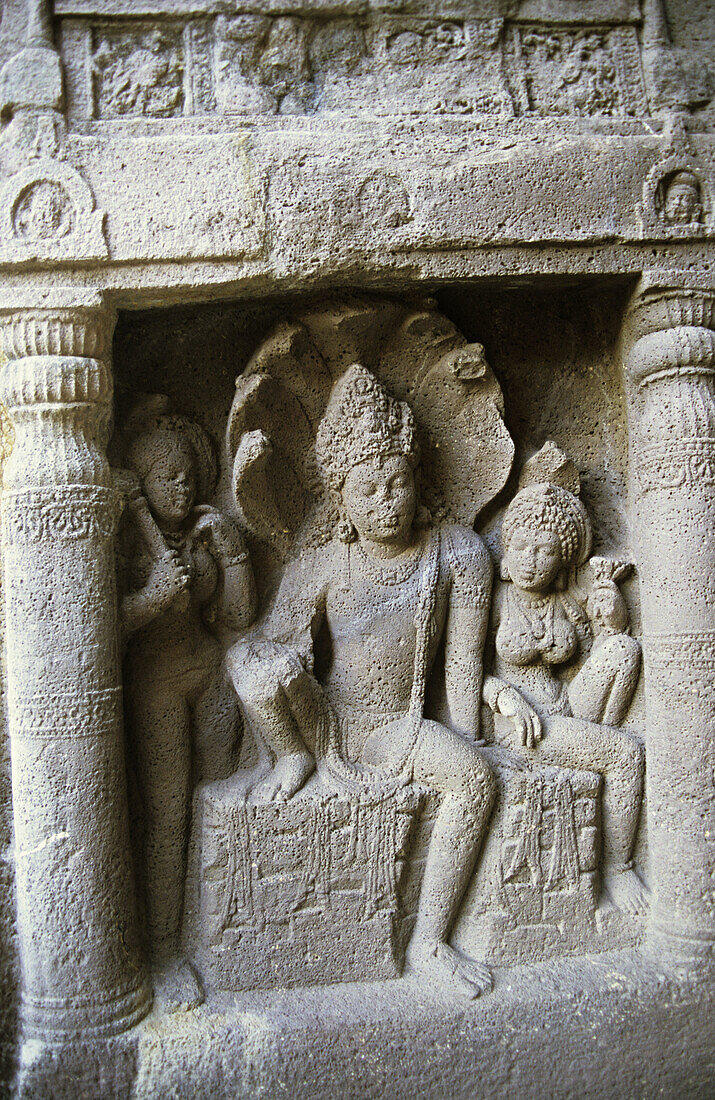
{"type": "Point", "coordinates": [669, 358]}
{"type": "Point", "coordinates": [82, 971]}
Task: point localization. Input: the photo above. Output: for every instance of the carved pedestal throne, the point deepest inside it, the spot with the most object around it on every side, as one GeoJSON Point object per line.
{"type": "Point", "coordinates": [310, 891]}
{"type": "Point", "coordinates": [324, 888]}
{"type": "Point", "coordinates": [537, 887]}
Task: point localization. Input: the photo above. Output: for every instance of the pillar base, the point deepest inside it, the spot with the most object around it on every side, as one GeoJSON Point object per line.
{"type": "Point", "coordinates": [74, 1068]}
{"type": "Point", "coordinates": [57, 1022]}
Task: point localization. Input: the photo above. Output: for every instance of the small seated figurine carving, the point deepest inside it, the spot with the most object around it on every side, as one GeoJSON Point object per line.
{"type": "Point", "coordinates": [336, 673]}
{"type": "Point", "coordinates": [188, 586]}
{"type": "Point", "coordinates": [540, 629]}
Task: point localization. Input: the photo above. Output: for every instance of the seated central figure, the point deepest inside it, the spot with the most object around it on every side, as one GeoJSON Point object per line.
{"type": "Point", "coordinates": [335, 673]}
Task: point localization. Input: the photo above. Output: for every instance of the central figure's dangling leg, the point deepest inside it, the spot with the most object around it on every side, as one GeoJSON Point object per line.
{"type": "Point", "coordinates": [452, 765]}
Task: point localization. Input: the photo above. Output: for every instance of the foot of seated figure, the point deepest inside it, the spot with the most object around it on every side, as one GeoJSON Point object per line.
{"type": "Point", "coordinates": [287, 776]}
{"type": "Point", "coordinates": [625, 891]}
{"type": "Point", "coordinates": [176, 987]}
{"type": "Point", "coordinates": [444, 966]}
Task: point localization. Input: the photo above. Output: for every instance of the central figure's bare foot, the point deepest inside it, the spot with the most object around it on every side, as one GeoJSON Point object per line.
{"type": "Point", "coordinates": [442, 964]}
{"type": "Point", "coordinates": [176, 986]}
{"type": "Point", "coordinates": [288, 776]}
{"type": "Point", "coordinates": [626, 891]}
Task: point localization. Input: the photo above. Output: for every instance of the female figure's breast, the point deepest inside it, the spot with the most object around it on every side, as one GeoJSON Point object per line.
{"type": "Point", "coordinates": [530, 643]}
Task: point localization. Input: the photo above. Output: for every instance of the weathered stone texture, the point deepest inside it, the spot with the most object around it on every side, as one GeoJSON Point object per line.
{"type": "Point", "coordinates": [357, 442]}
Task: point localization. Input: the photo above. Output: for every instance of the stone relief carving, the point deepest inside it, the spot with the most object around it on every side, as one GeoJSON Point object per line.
{"type": "Point", "coordinates": [65, 514]}
{"type": "Point", "coordinates": [681, 202]}
{"type": "Point", "coordinates": [384, 197]}
{"type": "Point", "coordinates": [44, 209]}
{"type": "Point", "coordinates": [261, 64]}
{"type": "Point", "coordinates": [367, 778]}
{"type": "Point", "coordinates": [187, 582]}
{"type": "Point", "coordinates": [372, 580]}
{"type": "Point", "coordinates": [543, 623]}
{"type": "Point", "coordinates": [139, 72]}
{"type": "Point", "coordinates": [47, 211]}
{"type": "Point", "coordinates": [676, 199]}
{"type": "Point", "coordinates": [576, 70]}
{"type": "Point", "coordinates": [412, 42]}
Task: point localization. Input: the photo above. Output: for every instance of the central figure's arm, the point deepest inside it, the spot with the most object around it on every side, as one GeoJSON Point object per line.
{"type": "Point", "coordinates": [296, 611]}
{"type": "Point", "coordinates": [466, 628]}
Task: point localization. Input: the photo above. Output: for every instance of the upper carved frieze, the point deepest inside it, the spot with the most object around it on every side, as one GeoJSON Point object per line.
{"type": "Point", "coordinates": [299, 62]}
{"type": "Point", "coordinates": [577, 70]}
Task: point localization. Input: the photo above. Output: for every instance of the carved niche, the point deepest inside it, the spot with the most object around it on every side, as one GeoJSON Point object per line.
{"type": "Point", "coordinates": [47, 211]}
{"type": "Point", "coordinates": [393, 695]}
{"type": "Point", "coordinates": [676, 200]}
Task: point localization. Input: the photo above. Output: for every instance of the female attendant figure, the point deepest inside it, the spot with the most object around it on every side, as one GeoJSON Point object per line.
{"type": "Point", "coordinates": [179, 606]}
{"type": "Point", "coordinates": [539, 629]}
{"type": "Point", "coordinates": [336, 673]}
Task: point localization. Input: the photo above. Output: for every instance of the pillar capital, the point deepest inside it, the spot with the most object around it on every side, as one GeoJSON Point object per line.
{"type": "Point", "coordinates": [669, 366]}
{"type": "Point", "coordinates": [56, 384]}
{"type": "Point", "coordinates": [665, 300]}
{"type": "Point", "coordinates": [62, 321]}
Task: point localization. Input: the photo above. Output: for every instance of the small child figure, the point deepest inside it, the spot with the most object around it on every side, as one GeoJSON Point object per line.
{"type": "Point", "coordinates": [604, 693]}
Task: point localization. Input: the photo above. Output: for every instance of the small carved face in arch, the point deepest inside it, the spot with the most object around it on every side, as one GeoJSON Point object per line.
{"type": "Point", "coordinates": [43, 211]}
{"type": "Point", "coordinates": [533, 558]}
{"type": "Point", "coordinates": [170, 483]}
{"type": "Point", "coordinates": [681, 202]}
{"type": "Point", "coordinates": [380, 498]}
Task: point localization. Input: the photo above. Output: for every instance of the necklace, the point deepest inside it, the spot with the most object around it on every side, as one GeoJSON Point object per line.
{"type": "Point", "coordinates": [539, 616]}
{"type": "Point", "coordinates": [389, 574]}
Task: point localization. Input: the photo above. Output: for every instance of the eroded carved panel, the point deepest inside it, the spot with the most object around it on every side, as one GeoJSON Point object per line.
{"type": "Point", "coordinates": [264, 63]}
{"type": "Point", "coordinates": [138, 70]}
{"type": "Point", "coordinates": [573, 70]}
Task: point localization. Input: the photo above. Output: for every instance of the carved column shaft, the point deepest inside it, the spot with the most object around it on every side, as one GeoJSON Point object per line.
{"type": "Point", "coordinates": [81, 964]}
{"type": "Point", "coordinates": [670, 366]}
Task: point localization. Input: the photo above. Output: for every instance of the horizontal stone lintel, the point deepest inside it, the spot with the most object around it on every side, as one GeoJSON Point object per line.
{"type": "Point", "coordinates": [547, 11]}
{"type": "Point", "coordinates": [174, 195]}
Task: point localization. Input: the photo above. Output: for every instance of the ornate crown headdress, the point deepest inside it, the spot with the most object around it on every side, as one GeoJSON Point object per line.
{"type": "Point", "coordinates": [362, 421]}
{"type": "Point", "coordinates": [548, 499]}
